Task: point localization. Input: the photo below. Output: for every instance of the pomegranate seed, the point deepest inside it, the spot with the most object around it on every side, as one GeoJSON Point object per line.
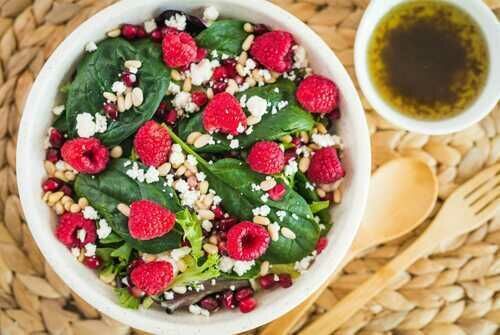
{"type": "Point", "coordinates": [335, 115]}
{"type": "Point", "coordinates": [56, 138]}
{"type": "Point", "coordinates": [285, 280]}
{"type": "Point", "coordinates": [222, 248]}
{"type": "Point", "coordinates": [219, 86]}
{"type": "Point", "coordinates": [225, 224]}
{"type": "Point", "coordinates": [209, 303]}
{"type": "Point", "coordinates": [171, 117]}
{"type": "Point", "coordinates": [52, 155]}
{"type": "Point", "coordinates": [296, 141]}
{"type": "Point", "coordinates": [199, 98]}
{"type": "Point", "coordinates": [321, 244]}
{"type": "Point", "coordinates": [228, 300]}
{"type": "Point", "coordinates": [248, 305]}
{"type": "Point", "coordinates": [141, 33]}
{"type": "Point", "coordinates": [157, 35]}
{"type": "Point", "coordinates": [289, 154]}
{"type": "Point", "coordinates": [243, 293]}
{"type": "Point", "coordinates": [160, 111]}
{"type": "Point", "coordinates": [277, 192]}
{"type": "Point", "coordinates": [260, 29]}
{"type": "Point", "coordinates": [185, 243]}
{"type": "Point", "coordinates": [92, 262]}
{"type": "Point", "coordinates": [129, 31]}
{"type": "Point", "coordinates": [218, 212]}
{"type": "Point", "coordinates": [230, 67]}
{"type": "Point", "coordinates": [129, 79]}
{"type": "Point", "coordinates": [267, 282]}
{"type": "Point", "coordinates": [136, 292]}
{"type": "Point", "coordinates": [111, 110]}
{"type": "Point", "coordinates": [52, 184]}
{"type": "Point", "coordinates": [200, 54]}
{"type": "Point", "coordinates": [220, 73]}
{"type": "Point", "coordinates": [67, 190]}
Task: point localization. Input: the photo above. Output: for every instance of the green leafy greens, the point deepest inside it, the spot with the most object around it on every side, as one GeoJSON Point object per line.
{"type": "Point", "coordinates": [197, 273]}
{"type": "Point", "coordinates": [192, 231]}
{"type": "Point", "coordinates": [225, 36]}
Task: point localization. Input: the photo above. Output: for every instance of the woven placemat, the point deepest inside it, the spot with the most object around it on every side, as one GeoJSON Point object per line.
{"type": "Point", "coordinates": [456, 290]}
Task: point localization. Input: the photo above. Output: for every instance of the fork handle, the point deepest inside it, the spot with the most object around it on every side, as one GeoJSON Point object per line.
{"type": "Point", "coordinates": [355, 300]}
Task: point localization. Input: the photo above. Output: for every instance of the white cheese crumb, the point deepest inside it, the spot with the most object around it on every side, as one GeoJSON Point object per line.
{"type": "Point", "coordinates": [226, 264]}
{"type": "Point", "coordinates": [281, 215]}
{"type": "Point", "coordinates": [104, 229]}
{"type": "Point", "coordinates": [177, 21]}
{"type": "Point", "coordinates": [326, 140]}
{"type": "Point", "coordinates": [264, 197]}
{"type": "Point", "coordinates": [90, 250]}
{"type": "Point", "coordinates": [207, 225]}
{"type": "Point", "coordinates": [299, 57]}
{"type": "Point", "coordinates": [217, 200]}
{"type": "Point", "coordinates": [90, 213]}
{"type": "Point", "coordinates": [169, 295]}
{"type": "Point", "coordinates": [192, 160]}
{"type": "Point", "coordinates": [91, 47]}
{"type": "Point", "coordinates": [81, 234]}
{"type": "Point", "coordinates": [177, 158]}
{"type": "Point", "coordinates": [201, 72]}
{"type": "Point", "coordinates": [173, 88]}
{"type": "Point", "coordinates": [58, 110]}
{"type": "Point", "coordinates": [179, 253]}
{"type": "Point", "coordinates": [291, 168]}
{"type": "Point", "coordinates": [241, 267]}
{"type": "Point", "coordinates": [234, 144]}
{"type": "Point", "coordinates": [150, 26]}
{"type": "Point", "coordinates": [85, 125]}
{"type": "Point", "coordinates": [152, 175]}
{"type": "Point", "coordinates": [201, 176]}
{"type": "Point", "coordinates": [261, 211]}
{"type": "Point", "coordinates": [136, 173]}
{"type": "Point", "coordinates": [249, 130]}
{"type": "Point", "coordinates": [304, 264]}
{"type": "Point", "coordinates": [75, 252]}
{"type": "Point", "coordinates": [243, 101]}
{"type": "Point", "coordinates": [210, 14]}
{"type": "Point", "coordinates": [101, 123]}
{"type": "Point", "coordinates": [257, 106]}
{"type": "Point", "coordinates": [118, 87]}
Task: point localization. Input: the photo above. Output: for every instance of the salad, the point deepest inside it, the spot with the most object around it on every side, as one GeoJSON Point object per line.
{"type": "Point", "coordinates": [194, 162]}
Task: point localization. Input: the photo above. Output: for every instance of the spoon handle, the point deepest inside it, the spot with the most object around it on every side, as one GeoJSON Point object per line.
{"type": "Point", "coordinates": [355, 300]}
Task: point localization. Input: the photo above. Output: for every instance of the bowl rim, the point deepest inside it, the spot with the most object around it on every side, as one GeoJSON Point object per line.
{"type": "Point", "coordinates": [484, 103]}
{"type": "Point", "coordinates": [140, 319]}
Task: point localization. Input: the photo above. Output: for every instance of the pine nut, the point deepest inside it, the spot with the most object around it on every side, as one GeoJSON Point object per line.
{"type": "Point", "coordinates": [50, 168]}
{"type": "Point", "coordinates": [75, 208]}
{"type": "Point", "coordinates": [202, 141]}
{"type": "Point", "coordinates": [121, 103]}
{"type": "Point", "coordinates": [124, 209]}
{"type": "Point", "coordinates": [135, 64]}
{"type": "Point", "coordinates": [192, 181]}
{"type": "Point", "coordinates": [180, 171]}
{"type": "Point", "coordinates": [253, 120]}
{"type": "Point", "coordinates": [287, 139]}
{"type": "Point", "coordinates": [109, 96]}
{"type": "Point", "coordinates": [58, 208]}
{"type": "Point", "coordinates": [210, 249]}
{"type": "Point", "coordinates": [232, 86]}
{"type": "Point", "coordinates": [206, 214]}
{"type": "Point", "coordinates": [164, 169]}
{"type": "Point", "coordinates": [193, 137]}
{"type": "Point", "coordinates": [267, 184]}
{"type": "Point", "coordinates": [116, 152]}
{"type": "Point", "coordinates": [179, 289]}
{"type": "Point", "coordinates": [248, 42]}
{"type": "Point", "coordinates": [240, 69]}
{"type": "Point", "coordinates": [200, 205]}
{"type": "Point", "coordinates": [137, 96]}
{"type": "Point", "coordinates": [304, 164]}
{"type": "Point", "coordinates": [208, 199]}
{"type": "Point", "coordinates": [67, 206]}
{"type": "Point", "coordinates": [262, 220]}
{"type": "Point", "coordinates": [203, 186]}
{"type": "Point", "coordinates": [250, 81]}
{"type": "Point", "coordinates": [128, 100]}
{"type": "Point", "coordinates": [46, 196]}
{"type": "Point", "coordinates": [65, 199]}
{"type": "Point", "coordinates": [210, 93]}
{"type": "Point", "coordinates": [186, 87]}
{"type": "Point", "coordinates": [304, 137]}
{"type": "Point", "coordinates": [321, 128]}
{"type": "Point", "coordinates": [55, 197]}
{"type": "Point", "coordinates": [321, 193]}
{"type": "Point", "coordinates": [286, 232]}
{"type": "Point", "coordinates": [176, 75]}
{"type": "Point", "coordinates": [60, 175]}
{"type": "Point", "coordinates": [83, 202]}
{"type": "Point", "coordinates": [337, 196]}
{"type": "Point", "coordinates": [264, 268]}
{"type": "Point", "coordinates": [248, 27]}
{"type": "Point", "coordinates": [213, 239]}
{"type": "Point", "coordinates": [188, 173]}
{"type": "Point", "coordinates": [273, 230]}
{"type": "Point", "coordinates": [243, 58]}
{"type": "Point", "coordinates": [257, 76]}
{"type": "Point", "coordinates": [114, 33]}
{"type": "Point", "coordinates": [70, 175]}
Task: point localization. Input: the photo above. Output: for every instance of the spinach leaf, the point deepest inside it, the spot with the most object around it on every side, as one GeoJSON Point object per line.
{"type": "Point", "coordinates": [192, 231]}
{"type": "Point", "coordinates": [232, 180]}
{"type": "Point", "coordinates": [106, 190]}
{"type": "Point", "coordinates": [98, 71]}
{"type": "Point", "coordinates": [225, 36]}
{"type": "Point", "coordinates": [290, 119]}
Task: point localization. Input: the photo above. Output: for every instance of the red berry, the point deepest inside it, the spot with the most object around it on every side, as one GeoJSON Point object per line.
{"type": "Point", "coordinates": [285, 280]}
{"type": "Point", "coordinates": [228, 299]}
{"type": "Point", "coordinates": [199, 98]}
{"type": "Point", "coordinates": [85, 155]}
{"type": "Point", "coordinates": [171, 117]}
{"type": "Point", "coordinates": [277, 192]}
{"type": "Point", "coordinates": [248, 305]}
{"type": "Point", "coordinates": [218, 212]}
{"type": "Point", "coordinates": [267, 282]}
{"type": "Point", "coordinates": [67, 190]}
{"type": "Point", "coordinates": [266, 157]}
{"type": "Point", "coordinates": [94, 262]}
{"type": "Point", "coordinates": [179, 49]}
{"type": "Point", "coordinates": [111, 110]}
{"type": "Point", "coordinates": [325, 167]}
{"type": "Point", "coordinates": [243, 293]}
{"type": "Point", "coordinates": [152, 144]}
{"type": "Point", "coordinates": [141, 32]}
{"type": "Point", "coordinates": [129, 79]}
{"type": "Point", "coordinates": [157, 35]}
{"type": "Point", "coordinates": [52, 155]}
{"type": "Point", "coordinates": [247, 241]}
{"type": "Point", "coordinates": [289, 155]}
{"type": "Point", "coordinates": [321, 244]}
{"type": "Point", "coordinates": [318, 94]}
{"type": "Point", "coordinates": [219, 73]}
{"type": "Point", "coordinates": [129, 31]}
{"type": "Point", "coordinates": [52, 184]}
{"type": "Point", "coordinates": [148, 220]}
{"type": "Point", "coordinates": [273, 50]}
{"type": "Point", "coordinates": [222, 248]}
{"type": "Point", "coordinates": [297, 141]}
{"type": "Point", "coordinates": [224, 114]}
{"type": "Point", "coordinates": [152, 277]}
{"type": "Point", "coordinates": [68, 227]}
{"type": "Point", "coordinates": [56, 138]}
{"type": "Point", "coordinates": [219, 86]}
{"type": "Point", "coordinates": [209, 303]}
{"type": "Point", "coordinates": [335, 114]}
{"type": "Point", "coordinates": [225, 224]}
{"type": "Point", "coordinates": [260, 29]}
{"type": "Point", "coordinates": [160, 111]}
{"type": "Point", "coordinates": [200, 54]}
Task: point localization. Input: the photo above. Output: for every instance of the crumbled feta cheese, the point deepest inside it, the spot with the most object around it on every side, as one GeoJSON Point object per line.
{"type": "Point", "coordinates": [295, 216]}
{"type": "Point", "coordinates": [90, 213]}
{"type": "Point", "coordinates": [91, 47]}
{"type": "Point", "coordinates": [214, 54]}
{"type": "Point", "coordinates": [249, 130]}
{"type": "Point", "coordinates": [325, 140]}
{"type": "Point", "coordinates": [75, 252]}
{"type": "Point", "coordinates": [127, 163]}
{"type": "Point", "coordinates": [264, 197]}
{"type": "Point", "coordinates": [263, 210]}
{"type": "Point", "coordinates": [177, 21]}
{"type": "Point", "coordinates": [189, 198]}
{"type": "Point", "coordinates": [241, 267]}
{"type": "Point", "coordinates": [282, 104]}
{"type": "Point", "coordinates": [201, 176]}
{"type": "Point", "coordinates": [152, 175]}
{"type": "Point", "coordinates": [257, 106]}
{"type": "Point", "coordinates": [169, 295]}
{"type": "Point", "coordinates": [195, 309]}
{"type": "Point", "coordinates": [201, 72]}
{"type": "Point", "coordinates": [210, 14]}
{"type": "Point", "coordinates": [177, 158]}
{"type": "Point", "coordinates": [192, 160]}
{"type": "Point", "coordinates": [226, 264]}
{"type": "Point", "coordinates": [304, 264]}
{"type": "Point", "coordinates": [60, 165]}
{"type": "Point", "coordinates": [243, 101]}
{"type": "Point", "coordinates": [85, 125]}
{"type": "Point", "coordinates": [81, 234]}
{"type": "Point", "coordinates": [281, 215]}
{"type": "Point", "coordinates": [234, 144]}
{"type": "Point", "coordinates": [150, 26]}
{"type": "Point", "coordinates": [104, 229]}
{"type": "Point", "coordinates": [255, 187]}
{"type": "Point", "coordinates": [90, 249]}
{"type": "Point", "coordinates": [181, 186]}
{"type": "Point", "coordinates": [291, 168]}
{"type": "Point", "coordinates": [299, 57]}
{"type": "Point", "coordinates": [276, 90]}
{"type": "Point", "coordinates": [240, 128]}
{"type": "Point", "coordinates": [207, 225]}
{"type": "Point", "coordinates": [136, 173]}
{"type": "Point", "coordinates": [58, 110]}
{"type": "Point", "coordinates": [183, 101]}
{"type": "Point", "coordinates": [266, 74]}
{"type": "Point", "coordinates": [309, 186]}
{"type": "Point", "coordinates": [101, 123]}
{"type": "Point", "coordinates": [249, 66]}
{"type": "Point", "coordinates": [179, 253]}
{"type": "Point", "coordinates": [217, 200]}
{"type": "Point", "coordinates": [173, 88]}
{"type": "Point", "coordinates": [322, 227]}
{"type": "Point", "coordinates": [119, 87]}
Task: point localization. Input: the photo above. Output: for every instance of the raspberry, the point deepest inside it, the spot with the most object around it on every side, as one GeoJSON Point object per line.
{"type": "Point", "coordinates": [200, 54]}
{"type": "Point", "coordinates": [152, 277]}
{"type": "Point", "coordinates": [149, 220]}
{"type": "Point", "coordinates": [277, 192]}
{"type": "Point", "coordinates": [68, 227]}
{"type": "Point", "coordinates": [266, 157]}
{"type": "Point", "coordinates": [248, 305]}
{"type": "Point", "coordinates": [247, 241]}
{"type": "Point", "coordinates": [321, 244]}
{"type": "Point", "coordinates": [318, 94]}
{"type": "Point", "coordinates": [152, 144]}
{"type": "Point", "coordinates": [224, 114]}
{"type": "Point", "coordinates": [274, 50]}
{"type": "Point", "coordinates": [179, 49]}
{"type": "Point", "coordinates": [325, 167]}
{"type": "Point", "coordinates": [85, 155]}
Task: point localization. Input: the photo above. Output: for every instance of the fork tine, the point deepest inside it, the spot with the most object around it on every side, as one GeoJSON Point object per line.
{"type": "Point", "coordinates": [486, 200]}
{"type": "Point", "coordinates": [489, 212]}
{"type": "Point", "coordinates": [482, 190]}
{"type": "Point", "coordinates": [478, 180]}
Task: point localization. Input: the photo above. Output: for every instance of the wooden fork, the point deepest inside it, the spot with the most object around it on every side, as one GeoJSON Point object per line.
{"type": "Point", "coordinates": [471, 205]}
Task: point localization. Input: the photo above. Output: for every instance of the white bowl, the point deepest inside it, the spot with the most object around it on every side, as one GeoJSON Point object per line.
{"type": "Point", "coordinates": [30, 172]}
{"type": "Point", "coordinates": [484, 103]}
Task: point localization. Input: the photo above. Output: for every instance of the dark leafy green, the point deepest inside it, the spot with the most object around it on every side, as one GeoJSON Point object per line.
{"type": "Point", "coordinates": [112, 187]}
{"type": "Point", "coordinates": [232, 180]}
{"type": "Point", "coordinates": [289, 120]}
{"type": "Point", "coordinates": [98, 71]}
{"type": "Point", "coordinates": [225, 36]}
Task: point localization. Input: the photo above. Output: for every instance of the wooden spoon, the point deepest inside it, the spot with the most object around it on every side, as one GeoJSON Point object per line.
{"type": "Point", "coordinates": [466, 209]}
{"type": "Point", "coordinates": [402, 194]}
